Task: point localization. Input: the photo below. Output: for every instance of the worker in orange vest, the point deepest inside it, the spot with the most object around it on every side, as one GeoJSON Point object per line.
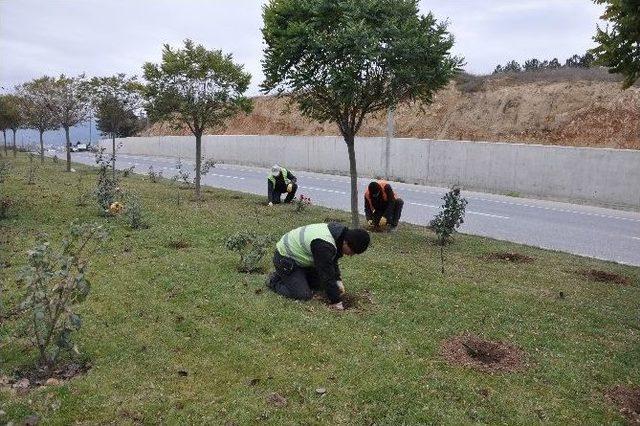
{"type": "Point", "coordinates": [382, 207]}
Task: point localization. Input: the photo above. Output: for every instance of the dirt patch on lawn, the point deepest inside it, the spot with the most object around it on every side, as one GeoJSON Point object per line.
{"type": "Point", "coordinates": [178, 244]}
{"type": "Point", "coordinates": [350, 301]}
{"type": "Point", "coordinates": [627, 399]}
{"type": "Point", "coordinates": [512, 257]}
{"type": "Point", "coordinates": [483, 355]}
{"type": "Point", "coordinates": [25, 380]}
{"type": "Point", "coordinates": [604, 276]}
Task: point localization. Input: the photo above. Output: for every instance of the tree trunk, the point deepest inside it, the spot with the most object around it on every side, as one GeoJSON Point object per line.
{"type": "Point", "coordinates": [66, 132]}
{"type": "Point", "coordinates": [198, 163]}
{"type": "Point", "coordinates": [5, 142]}
{"type": "Point", "coordinates": [14, 143]}
{"type": "Point", "coordinates": [113, 154]}
{"type": "Point", "coordinates": [442, 257]}
{"type": "Point", "coordinates": [41, 147]}
{"type": "Point", "coordinates": [353, 171]}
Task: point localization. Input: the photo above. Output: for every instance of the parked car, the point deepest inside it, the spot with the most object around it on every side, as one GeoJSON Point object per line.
{"type": "Point", "coordinates": [79, 147]}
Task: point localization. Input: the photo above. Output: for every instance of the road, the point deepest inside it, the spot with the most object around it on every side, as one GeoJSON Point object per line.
{"type": "Point", "coordinates": [584, 230]}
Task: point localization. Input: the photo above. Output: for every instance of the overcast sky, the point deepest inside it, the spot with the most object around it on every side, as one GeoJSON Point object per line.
{"type": "Point", "coordinates": [102, 37]}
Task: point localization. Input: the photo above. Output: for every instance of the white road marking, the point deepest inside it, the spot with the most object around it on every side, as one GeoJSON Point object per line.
{"type": "Point", "coordinates": [311, 188]}
{"type": "Point", "coordinates": [636, 238]}
{"type": "Point", "coordinates": [470, 212]}
{"type": "Point", "coordinates": [226, 176]}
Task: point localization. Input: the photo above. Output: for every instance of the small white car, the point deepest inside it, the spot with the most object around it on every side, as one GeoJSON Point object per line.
{"type": "Point", "coordinates": [79, 147]}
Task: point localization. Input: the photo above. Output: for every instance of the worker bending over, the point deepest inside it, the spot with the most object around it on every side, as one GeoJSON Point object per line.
{"type": "Point", "coordinates": [279, 181]}
{"type": "Point", "coordinates": [306, 259]}
{"type": "Point", "coordinates": [382, 207]}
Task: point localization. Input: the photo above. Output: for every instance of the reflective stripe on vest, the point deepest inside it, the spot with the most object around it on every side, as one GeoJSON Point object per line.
{"type": "Point", "coordinates": [284, 172]}
{"type": "Point", "coordinates": [382, 184]}
{"type": "Point", "coordinates": [296, 244]}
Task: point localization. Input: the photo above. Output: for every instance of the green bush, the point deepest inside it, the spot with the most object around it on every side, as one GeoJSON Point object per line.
{"type": "Point", "coordinates": [56, 282]}
{"type": "Point", "coordinates": [252, 249]}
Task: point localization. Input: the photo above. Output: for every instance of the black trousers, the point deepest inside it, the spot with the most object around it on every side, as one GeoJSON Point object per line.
{"type": "Point", "coordinates": [277, 193]}
{"type": "Point", "coordinates": [396, 212]}
{"type": "Point", "coordinates": [292, 281]}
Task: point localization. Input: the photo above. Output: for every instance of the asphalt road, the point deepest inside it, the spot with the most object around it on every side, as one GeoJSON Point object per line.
{"type": "Point", "coordinates": [584, 230]}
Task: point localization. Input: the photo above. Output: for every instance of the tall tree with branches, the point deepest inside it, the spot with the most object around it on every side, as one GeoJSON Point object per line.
{"type": "Point", "coordinates": [37, 114]}
{"type": "Point", "coordinates": [619, 45]}
{"type": "Point", "coordinates": [116, 100]}
{"type": "Point", "coordinates": [14, 113]}
{"type": "Point", "coordinates": [5, 119]}
{"type": "Point", "coordinates": [343, 60]}
{"type": "Point", "coordinates": [197, 88]}
{"type": "Point", "coordinates": [69, 103]}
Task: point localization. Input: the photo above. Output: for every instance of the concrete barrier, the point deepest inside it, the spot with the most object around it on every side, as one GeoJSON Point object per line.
{"type": "Point", "coordinates": [609, 177]}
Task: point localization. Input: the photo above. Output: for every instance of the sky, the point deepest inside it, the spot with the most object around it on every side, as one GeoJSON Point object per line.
{"type": "Point", "coordinates": [104, 37]}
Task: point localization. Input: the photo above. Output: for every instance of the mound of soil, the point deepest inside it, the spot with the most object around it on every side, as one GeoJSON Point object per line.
{"type": "Point", "coordinates": [511, 257]}
{"type": "Point", "coordinates": [178, 244]}
{"type": "Point", "coordinates": [627, 399]}
{"type": "Point", "coordinates": [604, 276]}
{"type": "Point", "coordinates": [483, 355]}
{"type": "Point", "coordinates": [35, 377]}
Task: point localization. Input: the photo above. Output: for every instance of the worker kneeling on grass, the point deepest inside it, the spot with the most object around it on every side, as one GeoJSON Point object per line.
{"type": "Point", "coordinates": [306, 259]}
{"type": "Point", "coordinates": [382, 207]}
{"type": "Point", "coordinates": [279, 181]}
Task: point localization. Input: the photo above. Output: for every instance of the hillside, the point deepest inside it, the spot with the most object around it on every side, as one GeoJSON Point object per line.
{"type": "Point", "coordinates": [581, 109]}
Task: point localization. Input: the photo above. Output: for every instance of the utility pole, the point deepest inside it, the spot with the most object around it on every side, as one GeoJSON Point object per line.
{"type": "Point", "coordinates": [387, 147]}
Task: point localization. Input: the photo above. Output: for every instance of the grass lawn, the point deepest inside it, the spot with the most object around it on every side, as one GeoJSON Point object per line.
{"type": "Point", "coordinates": [178, 336]}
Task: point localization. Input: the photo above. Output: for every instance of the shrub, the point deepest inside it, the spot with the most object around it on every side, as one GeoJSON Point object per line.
{"type": "Point", "coordinates": [107, 186]}
{"type": "Point", "coordinates": [182, 175]}
{"type": "Point", "coordinates": [302, 203]}
{"type": "Point", "coordinates": [128, 172]}
{"type": "Point", "coordinates": [153, 176]}
{"type": "Point", "coordinates": [55, 159]}
{"type": "Point", "coordinates": [5, 205]}
{"type": "Point", "coordinates": [207, 166]}
{"type": "Point", "coordinates": [449, 219]}
{"type": "Point", "coordinates": [5, 168]}
{"type": "Point", "coordinates": [134, 213]}
{"type": "Point", "coordinates": [56, 283]}
{"type": "Point", "coordinates": [251, 248]}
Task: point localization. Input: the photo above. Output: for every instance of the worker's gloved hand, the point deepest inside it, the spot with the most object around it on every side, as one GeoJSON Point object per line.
{"type": "Point", "coordinates": [383, 222]}
{"type": "Point", "coordinates": [337, 306]}
{"type": "Point", "coordinates": [290, 187]}
{"type": "Point", "coordinates": [370, 223]}
{"type": "Point", "coordinates": [340, 286]}
{"type": "Point", "coordinates": [270, 204]}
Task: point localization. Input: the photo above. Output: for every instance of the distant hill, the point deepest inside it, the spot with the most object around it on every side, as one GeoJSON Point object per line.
{"type": "Point", "coordinates": [579, 107]}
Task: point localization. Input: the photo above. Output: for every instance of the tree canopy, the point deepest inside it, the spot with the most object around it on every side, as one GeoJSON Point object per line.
{"type": "Point", "coordinates": [619, 45]}
{"type": "Point", "coordinates": [342, 60]}
{"type": "Point", "coordinates": [197, 88]}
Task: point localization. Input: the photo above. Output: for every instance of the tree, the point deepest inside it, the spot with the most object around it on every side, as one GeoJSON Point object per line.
{"type": "Point", "coordinates": [69, 104]}
{"type": "Point", "coordinates": [512, 66]}
{"type": "Point", "coordinates": [116, 100]}
{"type": "Point", "coordinates": [195, 87]}
{"type": "Point", "coordinates": [619, 47]}
{"type": "Point", "coordinates": [4, 119]}
{"type": "Point", "coordinates": [37, 114]}
{"type": "Point", "coordinates": [343, 60]}
{"type": "Point", "coordinates": [13, 106]}
{"type": "Point", "coordinates": [532, 64]}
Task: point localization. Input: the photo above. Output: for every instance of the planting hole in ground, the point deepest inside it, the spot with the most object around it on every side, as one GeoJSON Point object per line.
{"type": "Point", "coordinates": [24, 380]}
{"type": "Point", "coordinates": [604, 276]}
{"type": "Point", "coordinates": [513, 257]}
{"type": "Point", "coordinates": [483, 355]}
{"type": "Point", "coordinates": [178, 244]}
{"type": "Point", "coordinates": [627, 399]}
{"type": "Point", "coordinates": [350, 301]}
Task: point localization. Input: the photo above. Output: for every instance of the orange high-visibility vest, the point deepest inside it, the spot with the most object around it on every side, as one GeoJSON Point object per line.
{"type": "Point", "coordinates": [382, 184]}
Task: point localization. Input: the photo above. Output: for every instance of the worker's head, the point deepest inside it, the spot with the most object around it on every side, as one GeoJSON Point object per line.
{"type": "Point", "coordinates": [275, 170]}
{"type": "Point", "coordinates": [374, 189]}
{"type": "Point", "coordinates": [355, 241]}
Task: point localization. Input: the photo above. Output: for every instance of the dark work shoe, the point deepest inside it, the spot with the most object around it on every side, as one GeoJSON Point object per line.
{"type": "Point", "coordinates": [271, 279]}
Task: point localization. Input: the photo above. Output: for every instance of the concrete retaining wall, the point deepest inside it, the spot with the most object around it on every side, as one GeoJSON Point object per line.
{"type": "Point", "coordinates": [590, 175]}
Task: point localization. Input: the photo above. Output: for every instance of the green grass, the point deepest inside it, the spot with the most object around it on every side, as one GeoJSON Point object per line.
{"type": "Point", "coordinates": [155, 310]}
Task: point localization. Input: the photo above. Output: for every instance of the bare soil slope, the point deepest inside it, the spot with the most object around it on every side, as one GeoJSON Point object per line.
{"type": "Point", "coordinates": [579, 113]}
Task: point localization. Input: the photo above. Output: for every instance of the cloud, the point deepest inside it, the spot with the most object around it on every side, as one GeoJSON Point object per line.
{"type": "Point", "coordinates": [105, 37]}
